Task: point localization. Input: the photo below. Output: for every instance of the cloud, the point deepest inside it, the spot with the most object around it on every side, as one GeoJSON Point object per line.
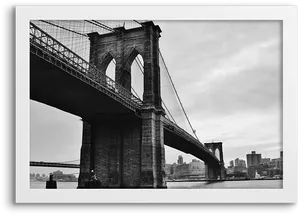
{"type": "Point", "coordinates": [250, 78]}
{"type": "Point", "coordinates": [236, 66]}
{"type": "Point", "coordinates": [197, 46]}
{"type": "Point", "coordinates": [229, 80]}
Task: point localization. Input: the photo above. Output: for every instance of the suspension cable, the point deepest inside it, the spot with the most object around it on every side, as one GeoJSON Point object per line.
{"type": "Point", "coordinates": [139, 63]}
{"type": "Point", "coordinates": [98, 24]}
{"type": "Point", "coordinates": [168, 111]}
{"type": "Point", "coordinates": [136, 93]}
{"type": "Point", "coordinates": [194, 131]}
{"type": "Point", "coordinates": [105, 26]}
{"type": "Point", "coordinates": [138, 22]}
{"type": "Point", "coordinates": [66, 29]}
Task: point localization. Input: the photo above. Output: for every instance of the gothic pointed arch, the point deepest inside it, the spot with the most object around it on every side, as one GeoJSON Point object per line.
{"type": "Point", "coordinates": [126, 44]}
{"type": "Point", "coordinates": [130, 58]}
{"type": "Point", "coordinates": [105, 61]}
{"type": "Point", "coordinates": [217, 153]}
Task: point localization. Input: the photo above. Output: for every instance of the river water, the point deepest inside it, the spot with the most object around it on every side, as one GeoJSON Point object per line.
{"type": "Point", "coordinates": [251, 184]}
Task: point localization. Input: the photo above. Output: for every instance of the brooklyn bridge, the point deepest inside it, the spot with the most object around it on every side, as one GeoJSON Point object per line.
{"type": "Point", "coordinates": [124, 133]}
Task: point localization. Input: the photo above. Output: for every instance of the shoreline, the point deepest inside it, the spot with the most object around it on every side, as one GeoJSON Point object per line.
{"type": "Point", "coordinates": [42, 181]}
{"type": "Point", "coordinates": [192, 180]}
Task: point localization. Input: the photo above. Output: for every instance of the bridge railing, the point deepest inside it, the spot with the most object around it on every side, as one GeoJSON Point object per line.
{"type": "Point", "coordinates": [47, 43]}
{"type": "Point", "coordinates": [181, 132]}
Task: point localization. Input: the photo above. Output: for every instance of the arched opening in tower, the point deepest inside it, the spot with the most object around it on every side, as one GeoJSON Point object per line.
{"type": "Point", "coordinates": [111, 70]}
{"type": "Point", "coordinates": [137, 77]}
{"type": "Point", "coordinates": [217, 153]}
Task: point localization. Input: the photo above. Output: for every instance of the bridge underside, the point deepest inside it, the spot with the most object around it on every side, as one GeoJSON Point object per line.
{"type": "Point", "coordinates": [51, 85]}
{"type": "Point", "coordinates": [124, 149]}
{"type": "Point", "coordinates": [177, 142]}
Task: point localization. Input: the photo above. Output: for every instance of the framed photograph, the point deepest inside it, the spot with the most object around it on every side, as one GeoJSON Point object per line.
{"type": "Point", "coordinates": [143, 104]}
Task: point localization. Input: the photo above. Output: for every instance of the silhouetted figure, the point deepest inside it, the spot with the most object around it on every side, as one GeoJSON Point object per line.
{"type": "Point", "coordinates": [51, 184]}
{"type": "Point", "coordinates": [94, 183]}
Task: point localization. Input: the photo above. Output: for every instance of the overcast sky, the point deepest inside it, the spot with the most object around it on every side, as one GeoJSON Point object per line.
{"type": "Point", "coordinates": [228, 75]}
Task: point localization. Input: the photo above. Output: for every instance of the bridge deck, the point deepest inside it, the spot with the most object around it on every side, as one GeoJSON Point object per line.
{"type": "Point", "coordinates": [53, 164]}
{"type": "Point", "coordinates": [79, 87]}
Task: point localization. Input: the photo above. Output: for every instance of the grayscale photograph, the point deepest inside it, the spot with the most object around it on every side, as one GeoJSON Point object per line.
{"type": "Point", "coordinates": [156, 104]}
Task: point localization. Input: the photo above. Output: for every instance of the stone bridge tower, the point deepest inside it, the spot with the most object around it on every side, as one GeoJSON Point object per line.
{"type": "Point", "coordinates": [122, 149]}
{"type": "Point", "coordinates": [215, 172]}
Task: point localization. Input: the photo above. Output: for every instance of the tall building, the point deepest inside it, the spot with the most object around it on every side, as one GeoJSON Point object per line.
{"type": "Point", "coordinates": [180, 160]}
{"type": "Point", "coordinates": [253, 159]}
{"type": "Point", "coordinates": [240, 162]}
{"type": "Point", "coordinates": [240, 166]}
{"type": "Point", "coordinates": [236, 161]}
{"type": "Point", "coordinates": [231, 163]}
{"type": "Point", "coordinates": [243, 163]}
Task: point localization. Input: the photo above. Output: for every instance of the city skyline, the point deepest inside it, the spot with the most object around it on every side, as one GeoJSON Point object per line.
{"type": "Point", "coordinates": [241, 158]}
{"type": "Point", "coordinates": [69, 171]}
{"type": "Point", "coordinates": [233, 69]}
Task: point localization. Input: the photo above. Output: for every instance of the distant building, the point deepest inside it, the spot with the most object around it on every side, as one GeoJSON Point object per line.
{"type": "Point", "coordinates": [267, 168]}
{"type": "Point", "coordinates": [281, 165]}
{"type": "Point", "coordinates": [231, 163]}
{"type": "Point", "coordinates": [240, 162]}
{"type": "Point", "coordinates": [252, 170]}
{"type": "Point", "coordinates": [240, 166]}
{"type": "Point", "coordinates": [276, 164]}
{"type": "Point", "coordinates": [60, 176]}
{"type": "Point", "coordinates": [236, 161]}
{"type": "Point", "coordinates": [173, 169]}
{"type": "Point", "coordinates": [168, 168]}
{"type": "Point", "coordinates": [196, 167]}
{"type": "Point", "coordinates": [265, 160]}
{"type": "Point", "coordinates": [230, 170]}
{"type": "Point", "coordinates": [253, 159]}
{"type": "Point", "coordinates": [180, 160]}
{"type": "Point", "coordinates": [182, 170]}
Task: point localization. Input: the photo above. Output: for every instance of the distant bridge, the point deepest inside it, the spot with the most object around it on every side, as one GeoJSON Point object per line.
{"type": "Point", "coordinates": [54, 164]}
